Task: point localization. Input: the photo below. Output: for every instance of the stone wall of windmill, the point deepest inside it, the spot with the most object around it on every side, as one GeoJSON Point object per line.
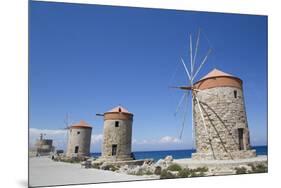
{"type": "Point", "coordinates": [117, 135]}
{"type": "Point", "coordinates": [226, 134]}
{"type": "Point", "coordinates": [79, 140]}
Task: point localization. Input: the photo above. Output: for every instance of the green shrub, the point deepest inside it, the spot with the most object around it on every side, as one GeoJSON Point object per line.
{"type": "Point", "coordinates": [74, 160]}
{"type": "Point", "coordinates": [148, 173]}
{"type": "Point", "coordinates": [165, 174]}
{"type": "Point", "coordinates": [110, 167]}
{"type": "Point", "coordinates": [96, 165]}
{"type": "Point", "coordinates": [184, 173]}
{"type": "Point", "coordinates": [142, 172]}
{"type": "Point", "coordinates": [197, 172]}
{"type": "Point", "coordinates": [259, 168]}
{"type": "Point", "coordinates": [240, 170]}
{"type": "Point", "coordinates": [202, 169]}
{"type": "Point", "coordinates": [174, 167]}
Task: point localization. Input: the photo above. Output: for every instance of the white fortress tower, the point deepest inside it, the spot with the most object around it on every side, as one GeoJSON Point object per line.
{"type": "Point", "coordinates": [226, 134]}
{"type": "Point", "coordinates": [117, 135]}
{"type": "Point", "coordinates": [79, 140]}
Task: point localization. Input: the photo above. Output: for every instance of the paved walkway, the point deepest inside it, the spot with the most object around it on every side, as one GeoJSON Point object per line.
{"type": "Point", "coordinates": [45, 172]}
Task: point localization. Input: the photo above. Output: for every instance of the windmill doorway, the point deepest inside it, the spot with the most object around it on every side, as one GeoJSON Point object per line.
{"type": "Point", "coordinates": [241, 138]}
{"type": "Point", "coordinates": [76, 149]}
{"type": "Point", "coordinates": [114, 149]}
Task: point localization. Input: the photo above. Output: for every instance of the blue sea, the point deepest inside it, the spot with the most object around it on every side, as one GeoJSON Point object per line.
{"type": "Point", "coordinates": [177, 154]}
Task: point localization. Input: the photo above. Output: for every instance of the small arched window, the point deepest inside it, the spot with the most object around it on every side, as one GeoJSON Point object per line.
{"type": "Point", "coordinates": [235, 94]}
{"type": "Point", "coordinates": [116, 123]}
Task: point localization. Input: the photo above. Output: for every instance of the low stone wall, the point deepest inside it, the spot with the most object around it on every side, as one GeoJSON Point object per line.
{"type": "Point", "coordinates": [116, 158]}
{"type": "Point", "coordinates": [222, 167]}
{"type": "Point", "coordinates": [130, 162]}
{"type": "Point", "coordinates": [242, 154]}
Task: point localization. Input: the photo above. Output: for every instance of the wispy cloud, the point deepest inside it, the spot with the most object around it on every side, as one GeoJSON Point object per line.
{"type": "Point", "coordinates": [169, 139]}
{"type": "Point", "coordinates": [161, 140]}
{"type": "Point", "coordinates": [96, 138]}
{"type": "Point", "coordinates": [59, 137]}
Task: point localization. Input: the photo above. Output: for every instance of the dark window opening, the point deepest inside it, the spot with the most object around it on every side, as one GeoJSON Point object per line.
{"type": "Point", "coordinates": [116, 123]}
{"type": "Point", "coordinates": [241, 138]}
{"type": "Point", "coordinates": [119, 109]}
{"type": "Point", "coordinates": [78, 132]}
{"type": "Point", "coordinates": [76, 149]}
{"type": "Point", "coordinates": [114, 149]}
{"type": "Point", "coordinates": [235, 94]}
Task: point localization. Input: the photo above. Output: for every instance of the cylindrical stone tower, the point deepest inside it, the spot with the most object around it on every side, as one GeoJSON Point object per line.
{"type": "Point", "coordinates": [226, 134]}
{"type": "Point", "coordinates": [79, 140]}
{"type": "Point", "coordinates": [117, 135]}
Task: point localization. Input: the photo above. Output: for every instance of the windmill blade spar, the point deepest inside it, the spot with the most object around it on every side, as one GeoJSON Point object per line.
{"type": "Point", "coordinates": [190, 50]}
{"type": "Point", "coordinates": [196, 49]}
{"type": "Point", "coordinates": [204, 123]}
{"type": "Point", "coordinates": [184, 118]}
{"type": "Point", "coordinates": [201, 114]}
{"type": "Point", "coordinates": [202, 63]}
{"type": "Point", "coordinates": [185, 95]}
{"type": "Point", "coordinates": [186, 70]}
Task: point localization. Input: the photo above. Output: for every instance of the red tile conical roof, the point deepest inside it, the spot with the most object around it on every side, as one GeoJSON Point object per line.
{"type": "Point", "coordinates": [119, 109]}
{"type": "Point", "coordinates": [81, 124]}
{"type": "Point", "coordinates": [216, 73]}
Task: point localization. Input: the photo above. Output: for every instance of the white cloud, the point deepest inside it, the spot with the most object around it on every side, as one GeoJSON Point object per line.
{"type": "Point", "coordinates": [169, 139]}
{"type": "Point", "coordinates": [96, 138]}
{"type": "Point", "coordinates": [58, 136]}
{"type": "Point", "coordinates": [144, 141]}
{"type": "Point", "coordinates": [34, 131]}
{"type": "Point", "coordinates": [134, 141]}
{"type": "Point", "coordinates": [162, 140]}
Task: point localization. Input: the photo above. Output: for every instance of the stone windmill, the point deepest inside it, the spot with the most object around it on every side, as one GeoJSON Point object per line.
{"type": "Point", "coordinates": [219, 119]}
{"type": "Point", "coordinates": [79, 140]}
{"type": "Point", "coordinates": [117, 135]}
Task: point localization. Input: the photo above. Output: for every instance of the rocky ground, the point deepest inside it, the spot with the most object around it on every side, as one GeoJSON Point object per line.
{"type": "Point", "coordinates": [170, 168]}
{"type": "Point", "coordinates": [181, 168]}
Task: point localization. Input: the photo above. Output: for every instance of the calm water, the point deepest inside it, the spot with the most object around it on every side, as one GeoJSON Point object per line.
{"type": "Point", "coordinates": [177, 154]}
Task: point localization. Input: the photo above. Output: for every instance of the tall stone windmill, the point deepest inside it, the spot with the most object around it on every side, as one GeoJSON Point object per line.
{"type": "Point", "coordinates": [219, 118]}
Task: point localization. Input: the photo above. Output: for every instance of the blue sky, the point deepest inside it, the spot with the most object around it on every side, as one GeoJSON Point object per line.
{"type": "Point", "coordinates": [87, 59]}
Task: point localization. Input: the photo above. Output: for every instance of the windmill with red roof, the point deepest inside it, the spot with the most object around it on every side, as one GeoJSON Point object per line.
{"type": "Point", "coordinates": [219, 121]}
